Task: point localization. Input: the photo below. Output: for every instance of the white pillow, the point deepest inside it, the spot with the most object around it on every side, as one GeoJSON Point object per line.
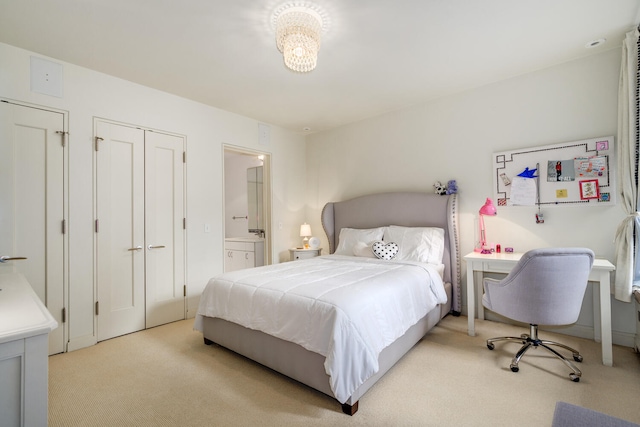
{"type": "Point", "coordinates": [421, 244]}
{"type": "Point", "coordinates": [350, 236]}
{"type": "Point", "coordinates": [361, 249]}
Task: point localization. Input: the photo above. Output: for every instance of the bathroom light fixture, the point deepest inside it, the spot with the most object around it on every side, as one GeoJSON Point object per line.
{"type": "Point", "coordinates": [305, 232]}
{"type": "Point", "coordinates": [298, 31]}
{"type": "Point", "coordinates": [487, 209]}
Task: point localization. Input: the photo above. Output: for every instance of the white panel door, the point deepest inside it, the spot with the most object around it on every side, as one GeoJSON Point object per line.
{"type": "Point", "coordinates": [164, 228]}
{"type": "Point", "coordinates": [32, 174]}
{"type": "Point", "coordinates": [119, 230]}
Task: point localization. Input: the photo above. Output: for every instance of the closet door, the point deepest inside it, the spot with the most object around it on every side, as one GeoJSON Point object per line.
{"type": "Point", "coordinates": [120, 269]}
{"type": "Point", "coordinates": [164, 228]}
{"type": "Point", "coordinates": [32, 174]}
{"type": "Point", "coordinates": [140, 229]}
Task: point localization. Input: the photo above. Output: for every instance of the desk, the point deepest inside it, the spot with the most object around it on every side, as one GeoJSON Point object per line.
{"type": "Point", "coordinates": [478, 264]}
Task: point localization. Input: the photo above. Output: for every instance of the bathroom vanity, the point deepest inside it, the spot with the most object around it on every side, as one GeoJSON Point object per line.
{"type": "Point", "coordinates": [243, 252]}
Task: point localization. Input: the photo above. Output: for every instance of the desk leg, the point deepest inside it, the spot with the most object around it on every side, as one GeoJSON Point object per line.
{"type": "Point", "coordinates": [471, 301]}
{"type": "Point", "coordinates": [480, 293]}
{"type": "Point", "coordinates": [605, 318]}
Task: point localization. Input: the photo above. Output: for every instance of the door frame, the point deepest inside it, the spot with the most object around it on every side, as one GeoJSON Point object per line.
{"type": "Point", "coordinates": [267, 199]}
{"type": "Point", "coordinates": [65, 204]}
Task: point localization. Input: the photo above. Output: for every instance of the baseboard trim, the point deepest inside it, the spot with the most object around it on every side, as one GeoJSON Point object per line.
{"type": "Point", "coordinates": [78, 343]}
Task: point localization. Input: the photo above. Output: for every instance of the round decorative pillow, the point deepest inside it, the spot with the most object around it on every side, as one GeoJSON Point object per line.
{"type": "Point", "coordinates": [386, 251]}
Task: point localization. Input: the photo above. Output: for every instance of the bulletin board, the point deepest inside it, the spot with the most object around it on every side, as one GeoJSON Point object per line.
{"type": "Point", "coordinates": [571, 173]}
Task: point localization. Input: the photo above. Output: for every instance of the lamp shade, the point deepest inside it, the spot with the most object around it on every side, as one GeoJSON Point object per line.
{"type": "Point", "coordinates": [488, 208]}
{"type": "Point", "coordinates": [305, 230]}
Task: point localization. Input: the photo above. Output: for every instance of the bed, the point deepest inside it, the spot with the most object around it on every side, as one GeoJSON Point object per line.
{"type": "Point", "coordinates": [350, 362]}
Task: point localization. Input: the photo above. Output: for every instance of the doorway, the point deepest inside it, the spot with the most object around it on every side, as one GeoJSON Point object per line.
{"type": "Point", "coordinates": [33, 205]}
{"type": "Point", "coordinates": [247, 196]}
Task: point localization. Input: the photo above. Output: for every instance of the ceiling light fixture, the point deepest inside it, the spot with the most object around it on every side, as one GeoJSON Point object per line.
{"type": "Point", "coordinates": [298, 31]}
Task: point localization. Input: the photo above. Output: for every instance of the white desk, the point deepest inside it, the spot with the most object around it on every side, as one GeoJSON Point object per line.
{"type": "Point", "coordinates": [478, 264]}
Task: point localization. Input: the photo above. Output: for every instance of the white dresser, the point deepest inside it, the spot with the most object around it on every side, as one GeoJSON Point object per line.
{"type": "Point", "coordinates": [243, 252]}
{"type": "Point", "coordinates": [25, 324]}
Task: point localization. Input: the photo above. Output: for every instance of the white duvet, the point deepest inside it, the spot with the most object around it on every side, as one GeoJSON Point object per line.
{"type": "Point", "coordinates": [345, 308]}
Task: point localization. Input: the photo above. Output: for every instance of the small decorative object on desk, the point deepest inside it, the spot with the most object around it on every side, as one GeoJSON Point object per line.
{"type": "Point", "coordinates": [510, 250]}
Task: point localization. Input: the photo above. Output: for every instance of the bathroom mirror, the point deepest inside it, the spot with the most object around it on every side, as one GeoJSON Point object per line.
{"type": "Point", "coordinates": [255, 200]}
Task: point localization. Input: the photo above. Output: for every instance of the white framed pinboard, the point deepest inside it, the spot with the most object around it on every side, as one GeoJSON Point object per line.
{"type": "Point", "coordinates": [577, 173]}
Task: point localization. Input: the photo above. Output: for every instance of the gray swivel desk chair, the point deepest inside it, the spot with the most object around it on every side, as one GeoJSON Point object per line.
{"type": "Point", "coordinates": [546, 287]}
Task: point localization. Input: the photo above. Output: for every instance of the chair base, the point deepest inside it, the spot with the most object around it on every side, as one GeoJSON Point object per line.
{"type": "Point", "coordinates": [532, 340]}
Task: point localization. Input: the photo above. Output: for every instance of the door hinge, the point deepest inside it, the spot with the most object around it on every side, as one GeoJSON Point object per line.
{"type": "Point", "coordinates": [64, 226]}
{"type": "Point", "coordinates": [184, 223]}
{"type": "Point", "coordinates": [184, 291]}
{"type": "Point", "coordinates": [98, 139]}
{"type": "Point", "coordinates": [184, 157]}
{"type": "Point", "coordinates": [64, 136]}
{"type": "Point", "coordinates": [64, 315]}
{"type": "Point", "coordinates": [97, 308]}
{"type": "Point", "coordinates": [97, 225]}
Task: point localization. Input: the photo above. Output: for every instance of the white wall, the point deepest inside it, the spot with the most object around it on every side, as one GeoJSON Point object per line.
{"type": "Point", "coordinates": [88, 94]}
{"type": "Point", "coordinates": [454, 137]}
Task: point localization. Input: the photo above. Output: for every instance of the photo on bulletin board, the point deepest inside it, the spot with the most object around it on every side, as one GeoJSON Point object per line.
{"type": "Point", "coordinates": [589, 189]}
{"type": "Point", "coordinates": [569, 174]}
{"type": "Point", "coordinates": [560, 170]}
{"type": "Point", "coordinates": [591, 167]}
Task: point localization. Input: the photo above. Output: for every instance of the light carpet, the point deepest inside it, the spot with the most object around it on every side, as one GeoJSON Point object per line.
{"type": "Point", "coordinates": [166, 376]}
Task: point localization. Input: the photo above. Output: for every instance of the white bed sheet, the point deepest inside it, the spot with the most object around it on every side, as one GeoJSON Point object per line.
{"type": "Point", "coordinates": [345, 308]}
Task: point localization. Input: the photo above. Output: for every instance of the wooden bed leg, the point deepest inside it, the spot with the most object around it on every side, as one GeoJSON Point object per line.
{"type": "Point", "coordinates": [207, 341]}
{"type": "Point", "coordinates": [350, 409]}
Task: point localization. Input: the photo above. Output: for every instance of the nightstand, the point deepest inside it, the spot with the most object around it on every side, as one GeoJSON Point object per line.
{"type": "Point", "coordinates": [299, 253]}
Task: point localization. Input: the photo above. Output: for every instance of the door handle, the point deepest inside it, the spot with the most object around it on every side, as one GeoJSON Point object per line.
{"type": "Point", "coordinates": [137, 248]}
{"type": "Point", "coordinates": [155, 247]}
{"type": "Point", "coordinates": [5, 258]}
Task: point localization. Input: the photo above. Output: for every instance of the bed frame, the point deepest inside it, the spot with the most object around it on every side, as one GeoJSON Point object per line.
{"type": "Point", "coordinates": [404, 209]}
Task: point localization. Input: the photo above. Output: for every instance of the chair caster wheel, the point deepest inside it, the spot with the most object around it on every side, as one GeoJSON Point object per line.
{"type": "Point", "coordinates": [577, 358]}
{"type": "Point", "coordinates": [514, 368]}
{"type": "Point", "coordinates": [490, 346]}
{"type": "Point", "coordinates": [574, 378]}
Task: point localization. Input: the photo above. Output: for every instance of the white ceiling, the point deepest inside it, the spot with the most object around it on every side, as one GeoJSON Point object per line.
{"type": "Point", "coordinates": [376, 56]}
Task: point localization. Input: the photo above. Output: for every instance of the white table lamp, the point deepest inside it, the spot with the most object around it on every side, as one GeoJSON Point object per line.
{"type": "Point", "coordinates": [305, 233]}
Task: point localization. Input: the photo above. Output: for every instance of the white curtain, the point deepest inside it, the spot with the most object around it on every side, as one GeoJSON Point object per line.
{"type": "Point", "coordinates": [624, 240]}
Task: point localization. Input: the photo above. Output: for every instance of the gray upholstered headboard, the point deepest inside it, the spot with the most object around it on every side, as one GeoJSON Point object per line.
{"type": "Point", "coordinates": [407, 209]}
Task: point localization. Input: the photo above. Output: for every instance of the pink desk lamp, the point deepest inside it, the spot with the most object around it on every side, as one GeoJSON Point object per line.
{"type": "Point", "coordinates": [487, 209]}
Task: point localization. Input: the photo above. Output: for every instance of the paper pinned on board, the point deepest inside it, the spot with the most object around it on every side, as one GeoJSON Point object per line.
{"type": "Point", "coordinates": [523, 191]}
